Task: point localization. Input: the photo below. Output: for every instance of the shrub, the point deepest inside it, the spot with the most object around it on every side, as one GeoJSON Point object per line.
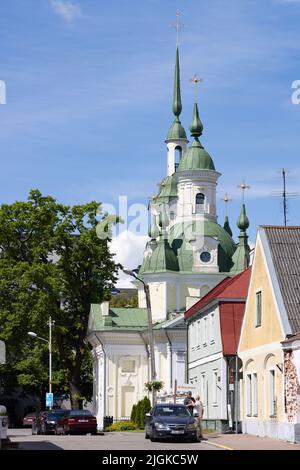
{"type": "Point", "coordinates": [121, 426]}
{"type": "Point", "coordinates": [133, 414]}
{"type": "Point", "coordinates": [138, 412]}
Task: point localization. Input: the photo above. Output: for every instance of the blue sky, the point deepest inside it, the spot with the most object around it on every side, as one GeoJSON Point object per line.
{"type": "Point", "coordinates": [89, 92]}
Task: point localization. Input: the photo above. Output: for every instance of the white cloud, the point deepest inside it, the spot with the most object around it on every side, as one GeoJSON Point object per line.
{"type": "Point", "coordinates": [66, 9]}
{"type": "Point", "coordinates": [128, 248]}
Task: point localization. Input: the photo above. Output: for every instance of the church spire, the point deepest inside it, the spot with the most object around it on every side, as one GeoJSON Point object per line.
{"type": "Point", "coordinates": [196, 126]}
{"type": "Point", "coordinates": [176, 131]}
{"type": "Point", "coordinates": [241, 257]}
{"type": "Point", "coordinates": [177, 105]}
{"type": "Point", "coordinates": [226, 199]}
{"type": "Point", "coordinates": [226, 226]}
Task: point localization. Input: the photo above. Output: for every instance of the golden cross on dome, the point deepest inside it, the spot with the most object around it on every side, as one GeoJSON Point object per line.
{"type": "Point", "coordinates": [196, 80]}
{"type": "Point", "coordinates": [243, 186]}
{"type": "Point", "coordinates": [178, 26]}
{"type": "Point", "coordinates": [226, 199]}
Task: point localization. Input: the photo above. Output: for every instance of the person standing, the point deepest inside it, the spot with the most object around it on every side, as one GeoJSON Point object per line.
{"type": "Point", "coordinates": [189, 402]}
{"type": "Point", "coordinates": [198, 410]}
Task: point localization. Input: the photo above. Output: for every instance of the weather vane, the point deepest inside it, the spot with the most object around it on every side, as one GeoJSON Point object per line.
{"type": "Point", "coordinates": [226, 199]}
{"type": "Point", "coordinates": [243, 186]}
{"type": "Point", "coordinates": [196, 80]}
{"type": "Point", "coordinates": [178, 26]}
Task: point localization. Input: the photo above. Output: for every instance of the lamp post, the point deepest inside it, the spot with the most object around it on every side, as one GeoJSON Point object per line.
{"type": "Point", "coordinates": [50, 323]}
{"type": "Point", "coordinates": [150, 329]}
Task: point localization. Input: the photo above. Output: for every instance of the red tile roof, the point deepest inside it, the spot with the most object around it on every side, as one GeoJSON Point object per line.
{"type": "Point", "coordinates": [231, 288]}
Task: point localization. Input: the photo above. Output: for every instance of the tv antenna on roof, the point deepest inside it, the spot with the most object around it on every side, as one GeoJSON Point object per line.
{"type": "Point", "coordinates": [284, 194]}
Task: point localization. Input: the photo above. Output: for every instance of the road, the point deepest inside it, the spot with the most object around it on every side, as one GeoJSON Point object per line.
{"type": "Point", "coordinates": [136, 441]}
{"type": "Point", "coordinates": [108, 441]}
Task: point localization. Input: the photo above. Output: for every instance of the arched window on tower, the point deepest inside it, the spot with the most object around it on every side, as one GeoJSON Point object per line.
{"type": "Point", "coordinates": [200, 203]}
{"type": "Point", "coordinates": [178, 155]}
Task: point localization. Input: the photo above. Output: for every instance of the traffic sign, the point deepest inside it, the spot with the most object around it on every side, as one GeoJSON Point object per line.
{"type": "Point", "coordinates": [49, 399]}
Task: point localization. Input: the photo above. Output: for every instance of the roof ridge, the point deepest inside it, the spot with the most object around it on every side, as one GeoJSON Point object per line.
{"type": "Point", "coordinates": [220, 287]}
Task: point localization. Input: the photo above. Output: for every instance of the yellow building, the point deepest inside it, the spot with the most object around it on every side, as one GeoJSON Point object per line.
{"type": "Point", "coordinates": [272, 314]}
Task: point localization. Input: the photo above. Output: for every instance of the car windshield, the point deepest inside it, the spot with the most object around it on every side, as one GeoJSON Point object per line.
{"type": "Point", "coordinates": [80, 413]}
{"type": "Point", "coordinates": [54, 414]}
{"type": "Point", "coordinates": [180, 411]}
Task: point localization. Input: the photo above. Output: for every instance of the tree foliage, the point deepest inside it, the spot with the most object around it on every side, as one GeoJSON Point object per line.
{"type": "Point", "coordinates": [139, 411]}
{"type": "Point", "coordinates": [51, 264]}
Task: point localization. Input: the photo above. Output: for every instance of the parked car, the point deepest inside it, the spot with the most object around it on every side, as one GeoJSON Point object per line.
{"type": "Point", "coordinates": [28, 420]}
{"type": "Point", "coordinates": [168, 421]}
{"type": "Point", "coordinates": [80, 421]}
{"type": "Point", "coordinates": [37, 422]}
{"type": "Point", "coordinates": [54, 422]}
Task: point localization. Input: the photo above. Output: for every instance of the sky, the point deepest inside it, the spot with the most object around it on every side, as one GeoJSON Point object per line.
{"type": "Point", "coordinates": [89, 87]}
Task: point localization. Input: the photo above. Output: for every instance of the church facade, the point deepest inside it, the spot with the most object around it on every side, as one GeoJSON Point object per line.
{"type": "Point", "coordinates": [187, 254]}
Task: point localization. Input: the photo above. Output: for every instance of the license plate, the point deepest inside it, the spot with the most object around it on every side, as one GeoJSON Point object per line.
{"type": "Point", "coordinates": [177, 432]}
{"type": "Point", "coordinates": [83, 421]}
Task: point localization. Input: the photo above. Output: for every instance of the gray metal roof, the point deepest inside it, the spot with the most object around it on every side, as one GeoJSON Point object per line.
{"type": "Point", "coordinates": [284, 243]}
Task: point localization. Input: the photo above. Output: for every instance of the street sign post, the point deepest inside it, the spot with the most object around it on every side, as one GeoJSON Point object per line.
{"type": "Point", "coordinates": [49, 399]}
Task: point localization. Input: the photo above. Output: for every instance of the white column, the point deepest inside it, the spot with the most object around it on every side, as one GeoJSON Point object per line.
{"type": "Point", "coordinates": [100, 386]}
{"type": "Point", "coordinates": [95, 383]}
{"type": "Point", "coordinates": [169, 368]}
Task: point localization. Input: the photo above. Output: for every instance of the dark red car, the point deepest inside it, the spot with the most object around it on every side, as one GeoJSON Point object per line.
{"type": "Point", "coordinates": [28, 420]}
{"type": "Point", "coordinates": [79, 421]}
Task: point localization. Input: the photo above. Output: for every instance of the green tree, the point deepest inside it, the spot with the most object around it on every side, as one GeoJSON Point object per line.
{"type": "Point", "coordinates": [51, 263]}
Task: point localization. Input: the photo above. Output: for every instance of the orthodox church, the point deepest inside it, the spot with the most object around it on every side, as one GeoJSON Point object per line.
{"type": "Point", "coordinates": [187, 254]}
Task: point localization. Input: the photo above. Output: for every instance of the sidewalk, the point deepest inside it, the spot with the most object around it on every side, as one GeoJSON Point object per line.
{"type": "Point", "coordinates": [247, 442]}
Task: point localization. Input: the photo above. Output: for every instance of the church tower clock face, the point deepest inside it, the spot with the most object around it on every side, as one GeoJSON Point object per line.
{"type": "Point", "coordinates": [205, 257]}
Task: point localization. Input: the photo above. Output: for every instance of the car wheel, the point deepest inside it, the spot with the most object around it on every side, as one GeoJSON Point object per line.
{"type": "Point", "coordinates": [197, 437]}
{"type": "Point", "coordinates": [147, 436]}
{"type": "Point", "coordinates": [152, 438]}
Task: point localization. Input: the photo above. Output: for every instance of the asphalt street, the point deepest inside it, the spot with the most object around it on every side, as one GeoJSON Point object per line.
{"type": "Point", "coordinates": [136, 441]}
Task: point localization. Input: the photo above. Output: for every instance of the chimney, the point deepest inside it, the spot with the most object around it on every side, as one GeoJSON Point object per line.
{"type": "Point", "coordinates": [105, 309]}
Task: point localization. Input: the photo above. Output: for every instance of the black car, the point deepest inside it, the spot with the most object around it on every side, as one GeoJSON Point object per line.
{"type": "Point", "coordinates": [167, 421]}
{"type": "Point", "coordinates": [53, 422]}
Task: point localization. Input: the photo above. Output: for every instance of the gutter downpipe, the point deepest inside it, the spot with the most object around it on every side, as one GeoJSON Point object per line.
{"type": "Point", "coordinates": [171, 369]}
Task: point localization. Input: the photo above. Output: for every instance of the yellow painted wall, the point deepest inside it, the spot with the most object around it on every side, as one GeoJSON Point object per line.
{"type": "Point", "coordinates": [261, 364]}
{"type": "Point", "coordinates": [260, 348]}
{"type": "Point", "coordinates": [270, 329]}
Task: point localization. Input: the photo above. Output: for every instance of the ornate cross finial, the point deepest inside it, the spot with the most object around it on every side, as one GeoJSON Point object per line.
{"type": "Point", "coordinates": [195, 80]}
{"type": "Point", "coordinates": [226, 199]}
{"type": "Point", "coordinates": [243, 186]}
{"type": "Point", "coordinates": [178, 26]}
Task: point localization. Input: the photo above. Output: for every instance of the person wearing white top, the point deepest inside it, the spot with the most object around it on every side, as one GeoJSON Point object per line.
{"type": "Point", "coordinates": [198, 410]}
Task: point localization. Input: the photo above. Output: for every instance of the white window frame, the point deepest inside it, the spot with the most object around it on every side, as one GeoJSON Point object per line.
{"type": "Point", "coordinates": [258, 322]}
{"type": "Point", "coordinates": [193, 337]}
{"type": "Point", "coordinates": [215, 387]}
{"type": "Point", "coordinates": [198, 334]}
{"type": "Point", "coordinates": [272, 393]}
{"type": "Point", "coordinates": [205, 331]}
{"type": "Point", "coordinates": [212, 328]}
{"type": "Point", "coordinates": [203, 394]}
{"type": "Point", "coordinates": [249, 398]}
{"type": "Point", "coordinates": [254, 394]}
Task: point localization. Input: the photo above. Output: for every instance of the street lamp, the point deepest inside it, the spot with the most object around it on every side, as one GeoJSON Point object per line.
{"type": "Point", "coordinates": [150, 329]}
{"type": "Point", "coordinates": [50, 323]}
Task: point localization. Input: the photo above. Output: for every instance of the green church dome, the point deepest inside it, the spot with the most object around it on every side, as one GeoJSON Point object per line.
{"type": "Point", "coordinates": [181, 234]}
{"type": "Point", "coordinates": [176, 132]}
{"type": "Point", "coordinates": [196, 158]}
